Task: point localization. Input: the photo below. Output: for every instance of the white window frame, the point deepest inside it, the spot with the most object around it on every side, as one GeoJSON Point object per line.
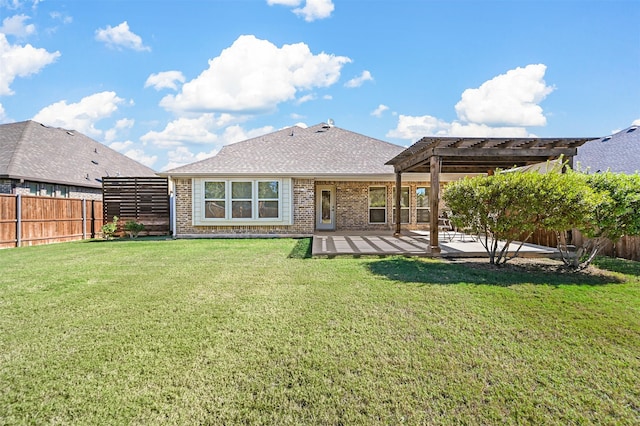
{"type": "Point", "coordinates": [204, 200]}
{"type": "Point", "coordinates": [231, 200]}
{"type": "Point", "coordinates": [258, 199]}
{"type": "Point", "coordinates": [418, 208]}
{"type": "Point", "coordinates": [406, 208]}
{"type": "Point", "coordinates": [384, 208]}
{"type": "Point", "coordinates": [228, 200]}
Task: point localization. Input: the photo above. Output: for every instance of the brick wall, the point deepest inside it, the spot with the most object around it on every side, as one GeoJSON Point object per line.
{"type": "Point", "coordinates": [352, 205]}
{"type": "Point", "coordinates": [352, 209]}
{"type": "Point", "coordinates": [303, 213]}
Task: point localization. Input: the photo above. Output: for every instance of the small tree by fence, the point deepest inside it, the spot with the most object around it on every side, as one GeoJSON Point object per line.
{"type": "Point", "coordinates": [28, 220]}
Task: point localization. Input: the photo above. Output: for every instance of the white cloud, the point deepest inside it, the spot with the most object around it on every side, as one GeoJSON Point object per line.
{"type": "Point", "coordinates": [141, 157]}
{"type": "Point", "coordinates": [306, 98]}
{"type": "Point", "coordinates": [312, 10]}
{"type": "Point", "coordinates": [182, 156]}
{"type": "Point", "coordinates": [414, 128]}
{"type": "Point", "coordinates": [636, 122]}
{"type": "Point", "coordinates": [501, 107]}
{"type": "Point", "coordinates": [315, 9]}
{"type": "Point", "coordinates": [378, 111]}
{"type": "Point", "coordinates": [235, 133]}
{"type": "Point", "coordinates": [165, 80]}
{"type": "Point", "coordinates": [358, 81]}
{"type": "Point", "coordinates": [81, 116]}
{"type": "Point", "coordinates": [64, 18]}
{"type": "Point", "coordinates": [3, 115]}
{"type": "Point", "coordinates": [186, 131]}
{"type": "Point", "coordinates": [509, 99]}
{"type": "Point", "coordinates": [292, 3]}
{"type": "Point", "coordinates": [122, 124]}
{"type": "Point", "coordinates": [255, 75]}
{"type": "Point", "coordinates": [15, 25]}
{"type": "Point", "coordinates": [121, 37]}
{"type": "Point", "coordinates": [20, 61]}
{"type": "Point", "coordinates": [120, 146]}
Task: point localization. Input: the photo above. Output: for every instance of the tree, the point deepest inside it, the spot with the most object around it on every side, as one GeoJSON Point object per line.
{"type": "Point", "coordinates": [616, 213]}
{"type": "Point", "coordinates": [509, 206]}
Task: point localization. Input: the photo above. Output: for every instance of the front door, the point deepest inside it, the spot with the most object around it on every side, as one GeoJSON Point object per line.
{"type": "Point", "coordinates": [326, 208]}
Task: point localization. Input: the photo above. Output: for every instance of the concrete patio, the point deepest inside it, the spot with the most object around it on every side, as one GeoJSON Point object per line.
{"type": "Point", "coordinates": [410, 243]}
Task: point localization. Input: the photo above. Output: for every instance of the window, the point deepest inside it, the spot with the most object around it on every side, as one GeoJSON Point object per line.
{"type": "Point", "coordinates": [422, 204]}
{"type": "Point", "coordinates": [268, 200]}
{"type": "Point", "coordinates": [404, 204]}
{"type": "Point", "coordinates": [242, 200]}
{"type": "Point", "coordinates": [33, 188]}
{"type": "Point", "coordinates": [378, 204]}
{"type": "Point", "coordinates": [63, 191]}
{"type": "Point", "coordinates": [214, 200]}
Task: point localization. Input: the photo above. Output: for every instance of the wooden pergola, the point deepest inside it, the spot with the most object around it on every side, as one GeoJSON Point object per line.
{"type": "Point", "coordinates": [437, 155]}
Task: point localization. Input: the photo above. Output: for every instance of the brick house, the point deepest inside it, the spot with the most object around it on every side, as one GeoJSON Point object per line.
{"type": "Point", "coordinates": [47, 161]}
{"type": "Point", "coordinates": [297, 181]}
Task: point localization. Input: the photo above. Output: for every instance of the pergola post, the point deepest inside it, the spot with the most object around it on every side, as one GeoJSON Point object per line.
{"type": "Point", "coordinates": [434, 201]}
{"type": "Point", "coordinates": [397, 203]}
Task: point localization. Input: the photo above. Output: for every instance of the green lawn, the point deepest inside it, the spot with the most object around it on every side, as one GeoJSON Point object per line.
{"type": "Point", "coordinates": [252, 332]}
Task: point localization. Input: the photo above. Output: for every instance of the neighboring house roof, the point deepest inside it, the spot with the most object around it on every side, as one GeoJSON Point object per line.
{"type": "Point", "coordinates": [35, 152]}
{"type": "Point", "coordinates": [618, 153]}
{"type": "Point", "coordinates": [319, 150]}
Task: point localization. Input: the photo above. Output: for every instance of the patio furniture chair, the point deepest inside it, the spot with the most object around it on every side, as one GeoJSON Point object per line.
{"type": "Point", "coordinates": [446, 227]}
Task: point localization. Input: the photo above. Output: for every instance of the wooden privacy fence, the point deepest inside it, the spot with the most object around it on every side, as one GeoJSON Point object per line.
{"type": "Point", "coordinates": [141, 199]}
{"type": "Point", "coordinates": [28, 220]}
{"type": "Point", "coordinates": [626, 248]}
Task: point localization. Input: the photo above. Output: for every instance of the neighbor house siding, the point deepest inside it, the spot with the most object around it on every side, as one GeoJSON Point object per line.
{"type": "Point", "coordinates": [14, 186]}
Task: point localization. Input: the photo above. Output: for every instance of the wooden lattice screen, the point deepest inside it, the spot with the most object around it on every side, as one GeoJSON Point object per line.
{"type": "Point", "coordinates": [141, 199]}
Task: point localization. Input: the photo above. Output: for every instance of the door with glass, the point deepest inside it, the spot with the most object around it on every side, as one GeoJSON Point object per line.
{"type": "Point", "coordinates": [326, 208]}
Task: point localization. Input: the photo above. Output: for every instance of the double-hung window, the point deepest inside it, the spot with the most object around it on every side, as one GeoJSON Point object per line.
{"type": "Point", "coordinates": [237, 200]}
{"type": "Point", "coordinates": [241, 200]}
{"type": "Point", "coordinates": [422, 204]}
{"type": "Point", "coordinates": [268, 199]}
{"type": "Point", "coordinates": [377, 204]}
{"type": "Point", "coordinates": [215, 200]}
{"type": "Point", "coordinates": [404, 204]}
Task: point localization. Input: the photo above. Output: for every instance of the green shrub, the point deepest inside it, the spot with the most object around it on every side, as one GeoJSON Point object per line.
{"type": "Point", "coordinates": [133, 228]}
{"type": "Point", "coordinates": [109, 229]}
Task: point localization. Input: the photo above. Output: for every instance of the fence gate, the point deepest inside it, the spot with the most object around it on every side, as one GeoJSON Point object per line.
{"type": "Point", "coordinates": [141, 199]}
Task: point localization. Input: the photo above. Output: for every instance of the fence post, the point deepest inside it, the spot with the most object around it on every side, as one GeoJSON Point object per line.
{"type": "Point", "coordinates": [93, 218]}
{"type": "Point", "coordinates": [84, 219]}
{"type": "Point", "coordinates": [18, 220]}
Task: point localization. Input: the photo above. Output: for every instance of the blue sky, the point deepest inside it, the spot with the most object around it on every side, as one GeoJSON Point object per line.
{"type": "Point", "coordinates": [171, 82]}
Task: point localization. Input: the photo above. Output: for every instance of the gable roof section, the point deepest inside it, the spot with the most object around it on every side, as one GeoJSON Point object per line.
{"type": "Point", "coordinates": [32, 151]}
{"type": "Point", "coordinates": [319, 150]}
{"type": "Point", "coordinates": [619, 153]}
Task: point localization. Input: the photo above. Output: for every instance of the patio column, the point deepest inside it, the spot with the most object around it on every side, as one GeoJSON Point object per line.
{"type": "Point", "coordinates": [397, 203]}
{"type": "Point", "coordinates": [434, 202]}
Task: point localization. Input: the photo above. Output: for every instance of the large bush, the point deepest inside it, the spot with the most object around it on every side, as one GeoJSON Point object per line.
{"type": "Point", "coordinates": [510, 206]}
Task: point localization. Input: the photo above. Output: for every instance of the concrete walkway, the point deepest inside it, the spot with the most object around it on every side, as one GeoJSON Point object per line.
{"type": "Point", "coordinates": [411, 243]}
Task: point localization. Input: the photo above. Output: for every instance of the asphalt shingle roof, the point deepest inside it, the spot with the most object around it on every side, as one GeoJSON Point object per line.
{"type": "Point", "coordinates": [619, 153]}
{"type": "Point", "coordinates": [313, 151]}
{"type": "Point", "coordinates": [32, 151]}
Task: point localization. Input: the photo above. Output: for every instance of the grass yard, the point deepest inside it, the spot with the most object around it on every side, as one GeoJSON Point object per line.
{"type": "Point", "coordinates": [252, 332]}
